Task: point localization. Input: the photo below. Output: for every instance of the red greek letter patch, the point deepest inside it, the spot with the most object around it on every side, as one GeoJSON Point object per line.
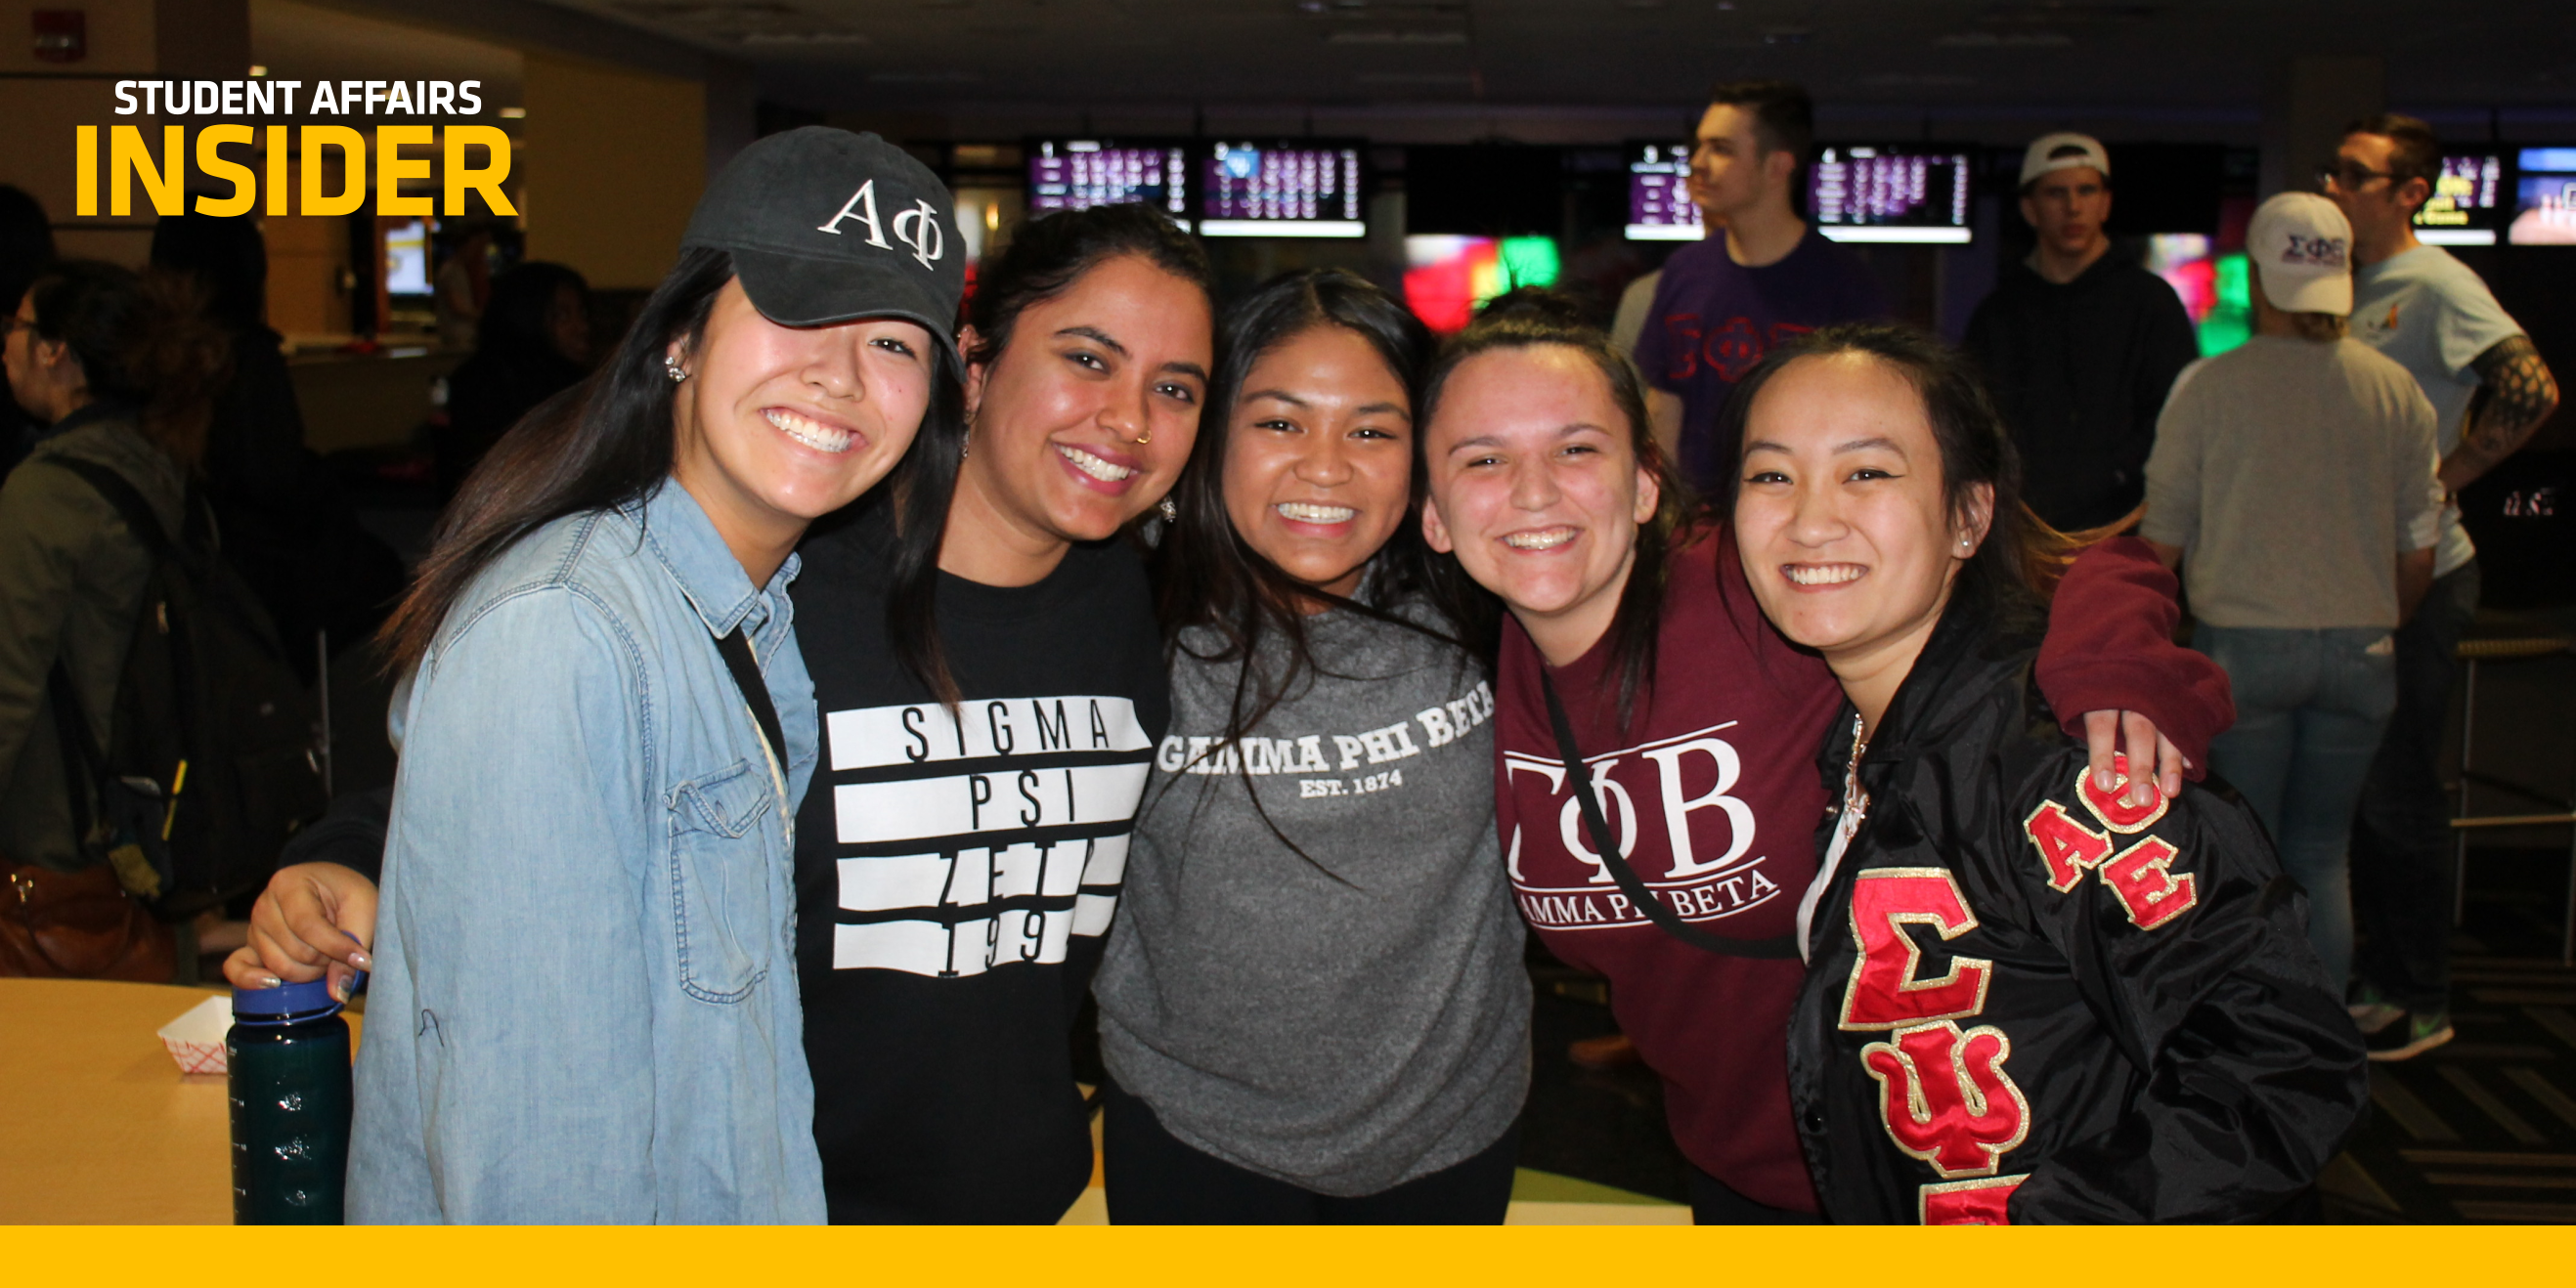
{"type": "Point", "coordinates": [1946, 1098]}
{"type": "Point", "coordinates": [2106, 806]}
{"type": "Point", "coordinates": [1885, 992]}
{"type": "Point", "coordinates": [2069, 848]}
{"type": "Point", "coordinates": [1979, 1202]}
{"type": "Point", "coordinates": [2142, 877]}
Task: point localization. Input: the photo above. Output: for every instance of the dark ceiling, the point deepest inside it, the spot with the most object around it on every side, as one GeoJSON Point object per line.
{"type": "Point", "coordinates": [1924, 55]}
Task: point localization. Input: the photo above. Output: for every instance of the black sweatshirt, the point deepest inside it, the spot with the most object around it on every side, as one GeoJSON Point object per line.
{"type": "Point", "coordinates": [2079, 373]}
{"type": "Point", "coordinates": [955, 874]}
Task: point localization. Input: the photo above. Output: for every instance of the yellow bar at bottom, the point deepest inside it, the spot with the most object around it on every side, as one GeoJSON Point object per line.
{"type": "Point", "coordinates": [1772, 1257]}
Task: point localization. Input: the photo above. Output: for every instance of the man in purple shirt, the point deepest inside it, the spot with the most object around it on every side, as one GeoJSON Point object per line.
{"type": "Point", "coordinates": [1725, 301]}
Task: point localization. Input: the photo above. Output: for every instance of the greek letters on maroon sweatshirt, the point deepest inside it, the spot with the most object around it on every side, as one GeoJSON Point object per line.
{"type": "Point", "coordinates": [1713, 797]}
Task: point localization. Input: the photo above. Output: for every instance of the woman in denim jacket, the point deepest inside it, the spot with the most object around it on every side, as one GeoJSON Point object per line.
{"type": "Point", "coordinates": [584, 1008]}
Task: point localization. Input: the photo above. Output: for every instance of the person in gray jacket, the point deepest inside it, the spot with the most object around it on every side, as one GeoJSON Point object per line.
{"type": "Point", "coordinates": [1312, 1006]}
{"type": "Point", "coordinates": [119, 374]}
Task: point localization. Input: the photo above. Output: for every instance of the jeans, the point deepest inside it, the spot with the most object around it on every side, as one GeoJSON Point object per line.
{"type": "Point", "coordinates": [2403, 858]}
{"type": "Point", "coordinates": [2310, 705]}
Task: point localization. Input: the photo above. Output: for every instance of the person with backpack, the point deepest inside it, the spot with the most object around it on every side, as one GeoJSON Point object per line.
{"type": "Point", "coordinates": [121, 375]}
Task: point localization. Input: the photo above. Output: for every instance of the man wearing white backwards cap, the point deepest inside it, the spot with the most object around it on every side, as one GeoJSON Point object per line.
{"type": "Point", "coordinates": [2079, 345]}
{"type": "Point", "coordinates": [2294, 481]}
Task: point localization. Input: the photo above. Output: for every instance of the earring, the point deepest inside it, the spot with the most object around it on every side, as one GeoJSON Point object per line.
{"type": "Point", "coordinates": [671, 368]}
{"type": "Point", "coordinates": [1171, 512]}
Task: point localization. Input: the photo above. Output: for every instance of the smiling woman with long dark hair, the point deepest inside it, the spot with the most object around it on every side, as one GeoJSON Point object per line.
{"type": "Point", "coordinates": [2131, 1026]}
{"type": "Point", "coordinates": [984, 653]}
{"type": "Point", "coordinates": [1313, 1007]}
{"type": "Point", "coordinates": [606, 727]}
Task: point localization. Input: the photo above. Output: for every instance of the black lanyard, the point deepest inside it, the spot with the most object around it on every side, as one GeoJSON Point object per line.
{"type": "Point", "coordinates": [755, 690]}
{"type": "Point", "coordinates": [1597, 826]}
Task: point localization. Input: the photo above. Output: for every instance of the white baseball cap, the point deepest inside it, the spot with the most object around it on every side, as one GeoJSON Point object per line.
{"type": "Point", "coordinates": [2040, 157]}
{"type": "Point", "coordinates": [2300, 245]}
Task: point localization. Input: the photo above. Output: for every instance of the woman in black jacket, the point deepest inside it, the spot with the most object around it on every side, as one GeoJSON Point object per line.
{"type": "Point", "coordinates": [2033, 996]}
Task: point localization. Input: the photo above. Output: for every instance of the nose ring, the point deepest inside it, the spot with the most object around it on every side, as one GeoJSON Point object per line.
{"type": "Point", "coordinates": [1144, 438]}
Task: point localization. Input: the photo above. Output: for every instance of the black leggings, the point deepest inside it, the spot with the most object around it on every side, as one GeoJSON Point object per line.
{"type": "Point", "coordinates": [1154, 1178]}
{"type": "Point", "coordinates": [1714, 1202]}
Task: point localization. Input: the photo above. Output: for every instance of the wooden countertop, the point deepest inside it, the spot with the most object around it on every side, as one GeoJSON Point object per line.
{"type": "Point", "coordinates": [97, 1124]}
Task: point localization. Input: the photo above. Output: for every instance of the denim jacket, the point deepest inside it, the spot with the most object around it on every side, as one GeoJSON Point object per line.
{"type": "Point", "coordinates": [585, 1007]}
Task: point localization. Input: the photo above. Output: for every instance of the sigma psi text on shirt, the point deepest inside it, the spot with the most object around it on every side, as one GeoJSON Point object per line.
{"type": "Point", "coordinates": [920, 790]}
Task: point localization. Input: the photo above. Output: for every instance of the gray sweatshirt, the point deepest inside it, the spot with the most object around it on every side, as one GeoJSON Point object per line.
{"type": "Point", "coordinates": [1345, 1036]}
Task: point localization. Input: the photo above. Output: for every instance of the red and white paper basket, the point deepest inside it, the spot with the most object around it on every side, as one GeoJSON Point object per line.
{"type": "Point", "coordinates": [196, 1039]}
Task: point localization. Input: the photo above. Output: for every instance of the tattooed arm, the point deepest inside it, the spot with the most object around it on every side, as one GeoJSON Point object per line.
{"type": "Point", "coordinates": [2517, 394]}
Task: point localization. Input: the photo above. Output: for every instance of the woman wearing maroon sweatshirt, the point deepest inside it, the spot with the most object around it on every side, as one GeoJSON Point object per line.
{"type": "Point", "coordinates": [1696, 725]}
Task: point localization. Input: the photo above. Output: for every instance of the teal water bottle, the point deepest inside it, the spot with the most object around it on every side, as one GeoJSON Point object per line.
{"type": "Point", "coordinates": [288, 1052]}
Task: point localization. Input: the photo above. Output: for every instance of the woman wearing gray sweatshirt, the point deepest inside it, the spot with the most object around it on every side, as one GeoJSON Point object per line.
{"type": "Point", "coordinates": [1312, 1007]}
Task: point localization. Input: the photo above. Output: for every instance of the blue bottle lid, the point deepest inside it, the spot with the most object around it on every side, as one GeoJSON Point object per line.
{"type": "Point", "coordinates": [285, 1004]}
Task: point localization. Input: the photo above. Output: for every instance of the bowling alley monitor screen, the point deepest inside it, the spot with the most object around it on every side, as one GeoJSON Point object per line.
{"type": "Point", "coordinates": [1659, 204]}
{"type": "Point", "coordinates": [2467, 205]}
{"type": "Point", "coordinates": [1076, 174]}
{"type": "Point", "coordinates": [1303, 188]}
{"type": "Point", "coordinates": [1883, 192]}
{"type": "Point", "coordinates": [2544, 208]}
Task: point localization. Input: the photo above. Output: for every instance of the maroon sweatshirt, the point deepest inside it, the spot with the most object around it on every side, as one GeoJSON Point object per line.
{"type": "Point", "coordinates": [1713, 796]}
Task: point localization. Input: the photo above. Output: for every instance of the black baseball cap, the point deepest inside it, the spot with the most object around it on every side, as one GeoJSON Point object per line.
{"type": "Point", "coordinates": [825, 226]}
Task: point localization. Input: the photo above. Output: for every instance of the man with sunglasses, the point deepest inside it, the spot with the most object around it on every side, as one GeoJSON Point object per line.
{"type": "Point", "coordinates": [2436, 318]}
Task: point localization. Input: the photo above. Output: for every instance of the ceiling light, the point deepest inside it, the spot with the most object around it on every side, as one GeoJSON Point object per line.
{"type": "Point", "coordinates": [513, 113]}
{"type": "Point", "coordinates": [257, 70]}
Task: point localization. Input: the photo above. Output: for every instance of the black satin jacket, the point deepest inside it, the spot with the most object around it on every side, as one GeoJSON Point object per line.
{"type": "Point", "coordinates": [2027, 1004]}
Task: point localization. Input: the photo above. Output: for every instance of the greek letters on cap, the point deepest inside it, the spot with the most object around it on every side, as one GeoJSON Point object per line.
{"type": "Point", "coordinates": [917, 228]}
{"type": "Point", "coordinates": [2324, 252]}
